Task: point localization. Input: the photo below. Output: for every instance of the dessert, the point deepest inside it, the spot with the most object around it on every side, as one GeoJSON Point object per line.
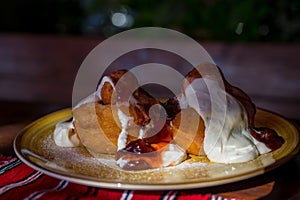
{"type": "Point", "coordinates": [208, 118]}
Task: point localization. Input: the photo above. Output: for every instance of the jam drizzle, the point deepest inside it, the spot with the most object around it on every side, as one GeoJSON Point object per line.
{"type": "Point", "coordinates": [268, 136]}
{"type": "Point", "coordinates": [145, 153]}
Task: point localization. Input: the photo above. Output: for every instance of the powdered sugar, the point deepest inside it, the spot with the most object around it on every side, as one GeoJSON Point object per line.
{"type": "Point", "coordinates": [77, 162]}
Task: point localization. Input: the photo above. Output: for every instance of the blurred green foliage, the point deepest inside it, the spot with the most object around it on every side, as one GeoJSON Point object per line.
{"type": "Point", "coordinates": [225, 20]}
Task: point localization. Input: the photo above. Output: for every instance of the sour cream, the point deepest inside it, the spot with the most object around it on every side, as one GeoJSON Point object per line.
{"type": "Point", "coordinates": [227, 136]}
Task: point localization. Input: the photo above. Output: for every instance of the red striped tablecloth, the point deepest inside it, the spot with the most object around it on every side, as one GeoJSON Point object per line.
{"type": "Point", "coordinates": [19, 181]}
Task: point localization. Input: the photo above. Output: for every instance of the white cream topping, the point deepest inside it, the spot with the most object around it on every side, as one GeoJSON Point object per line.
{"type": "Point", "coordinates": [227, 137]}
{"type": "Point", "coordinates": [173, 155]}
{"type": "Point", "coordinates": [63, 133]}
{"type": "Point", "coordinates": [122, 162]}
{"type": "Point", "coordinates": [122, 139]}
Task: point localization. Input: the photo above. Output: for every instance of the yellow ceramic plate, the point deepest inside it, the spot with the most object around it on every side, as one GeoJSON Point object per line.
{"type": "Point", "coordinates": [35, 147]}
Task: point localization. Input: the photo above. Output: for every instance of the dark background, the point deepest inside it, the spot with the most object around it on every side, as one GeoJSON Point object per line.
{"type": "Point", "coordinates": [43, 43]}
{"type": "Point", "coordinates": [222, 20]}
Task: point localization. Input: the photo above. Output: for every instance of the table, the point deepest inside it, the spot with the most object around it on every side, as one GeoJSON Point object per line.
{"type": "Point", "coordinates": [28, 64]}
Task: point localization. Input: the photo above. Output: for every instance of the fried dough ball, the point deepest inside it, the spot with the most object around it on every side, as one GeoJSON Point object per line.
{"type": "Point", "coordinates": [106, 93]}
{"type": "Point", "coordinates": [98, 128]}
{"type": "Point", "coordinates": [96, 134]}
{"type": "Point", "coordinates": [188, 131]}
{"type": "Point", "coordinates": [124, 89]}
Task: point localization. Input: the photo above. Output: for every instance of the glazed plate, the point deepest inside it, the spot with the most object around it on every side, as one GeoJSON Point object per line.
{"type": "Point", "coordinates": [35, 147]}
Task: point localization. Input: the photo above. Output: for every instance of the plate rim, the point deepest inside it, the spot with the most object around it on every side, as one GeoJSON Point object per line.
{"type": "Point", "coordinates": [94, 182]}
